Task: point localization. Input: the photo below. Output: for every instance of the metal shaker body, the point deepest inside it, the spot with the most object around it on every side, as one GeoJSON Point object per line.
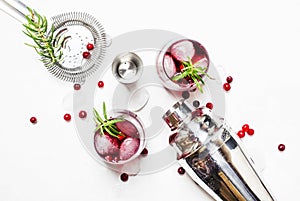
{"type": "Point", "coordinates": [212, 157]}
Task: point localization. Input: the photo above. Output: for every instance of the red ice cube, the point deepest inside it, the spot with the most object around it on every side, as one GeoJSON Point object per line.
{"type": "Point", "coordinates": [106, 145]}
{"type": "Point", "coordinates": [183, 50]}
{"type": "Point", "coordinates": [127, 128]}
{"type": "Point", "coordinates": [129, 147]}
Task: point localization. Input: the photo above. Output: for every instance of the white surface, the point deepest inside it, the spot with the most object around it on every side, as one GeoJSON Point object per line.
{"type": "Point", "coordinates": [256, 42]}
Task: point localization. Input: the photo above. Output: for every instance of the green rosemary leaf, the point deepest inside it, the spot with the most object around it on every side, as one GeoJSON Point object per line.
{"type": "Point", "coordinates": [98, 127]}
{"type": "Point", "coordinates": [199, 78]}
{"type": "Point", "coordinates": [45, 25]}
{"type": "Point", "coordinates": [28, 34]}
{"type": "Point", "coordinates": [38, 44]}
{"type": "Point", "coordinates": [115, 131]}
{"type": "Point", "coordinates": [40, 18]}
{"type": "Point", "coordinates": [111, 122]}
{"type": "Point", "coordinates": [96, 114]}
{"type": "Point", "coordinates": [31, 45]}
{"type": "Point", "coordinates": [104, 111]}
{"type": "Point", "coordinates": [197, 84]}
{"type": "Point", "coordinates": [30, 29]}
{"type": "Point", "coordinates": [45, 55]}
{"type": "Point", "coordinates": [109, 132]}
{"type": "Point", "coordinates": [177, 77]}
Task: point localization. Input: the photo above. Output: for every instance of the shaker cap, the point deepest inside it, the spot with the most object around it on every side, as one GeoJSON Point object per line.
{"type": "Point", "coordinates": [179, 112]}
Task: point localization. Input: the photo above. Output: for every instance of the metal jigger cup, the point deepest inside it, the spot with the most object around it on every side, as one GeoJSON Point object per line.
{"type": "Point", "coordinates": [212, 156]}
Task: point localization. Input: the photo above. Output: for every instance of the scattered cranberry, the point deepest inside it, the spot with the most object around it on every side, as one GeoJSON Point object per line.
{"type": "Point", "coordinates": [226, 86]}
{"type": "Point", "coordinates": [229, 79]}
{"type": "Point", "coordinates": [196, 103]}
{"type": "Point", "coordinates": [245, 127]}
{"type": "Point", "coordinates": [250, 131]}
{"type": "Point", "coordinates": [281, 147]}
{"type": "Point", "coordinates": [241, 134]}
{"type": "Point", "coordinates": [33, 120]}
{"type": "Point", "coordinates": [82, 114]}
{"type": "Point", "coordinates": [144, 152]}
{"type": "Point", "coordinates": [86, 55]}
{"type": "Point", "coordinates": [124, 177]}
{"type": "Point", "coordinates": [185, 94]}
{"type": "Point", "coordinates": [77, 86]}
{"type": "Point", "coordinates": [100, 84]}
{"type": "Point", "coordinates": [209, 105]}
{"type": "Point", "coordinates": [181, 170]}
{"type": "Point", "coordinates": [67, 117]}
{"type": "Point", "coordinates": [90, 46]}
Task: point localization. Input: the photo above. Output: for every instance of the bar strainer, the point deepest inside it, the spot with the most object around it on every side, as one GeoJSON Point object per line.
{"type": "Point", "coordinates": [80, 29]}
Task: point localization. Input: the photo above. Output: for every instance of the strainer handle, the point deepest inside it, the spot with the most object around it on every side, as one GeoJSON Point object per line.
{"type": "Point", "coordinates": [15, 9]}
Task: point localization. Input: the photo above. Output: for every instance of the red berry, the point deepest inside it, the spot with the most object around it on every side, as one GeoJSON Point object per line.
{"type": "Point", "coordinates": [90, 46]}
{"type": "Point", "coordinates": [67, 117]}
{"type": "Point", "coordinates": [86, 55]}
{"type": "Point", "coordinates": [121, 137]}
{"type": "Point", "coordinates": [245, 127]}
{"type": "Point", "coordinates": [82, 114]}
{"type": "Point", "coordinates": [281, 147]}
{"type": "Point", "coordinates": [250, 131]}
{"type": "Point", "coordinates": [124, 177]}
{"type": "Point", "coordinates": [241, 134]}
{"type": "Point", "coordinates": [144, 152]}
{"type": "Point", "coordinates": [229, 79]}
{"type": "Point", "coordinates": [181, 170]}
{"type": "Point", "coordinates": [77, 86]}
{"type": "Point", "coordinates": [33, 120]}
{"type": "Point", "coordinates": [226, 86]}
{"type": "Point", "coordinates": [209, 105]}
{"type": "Point", "coordinates": [100, 84]}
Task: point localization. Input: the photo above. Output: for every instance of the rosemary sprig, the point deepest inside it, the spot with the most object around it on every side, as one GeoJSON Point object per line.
{"type": "Point", "coordinates": [107, 125]}
{"type": "Point", "coordinates": [46, 44]}
{"type": "Point", "coordinates": [192, 71]}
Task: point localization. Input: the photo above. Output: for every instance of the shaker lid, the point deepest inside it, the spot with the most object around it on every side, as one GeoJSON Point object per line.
{"type": "Point", "coordinates": [179, 112]}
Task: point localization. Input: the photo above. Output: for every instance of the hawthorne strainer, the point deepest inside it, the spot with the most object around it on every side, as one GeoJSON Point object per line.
{"type": "Point", "coordinates": [80, 29]}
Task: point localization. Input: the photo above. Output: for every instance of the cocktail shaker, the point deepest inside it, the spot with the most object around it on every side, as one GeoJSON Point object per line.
{"type": "Point", "coordinates": [212, 156]}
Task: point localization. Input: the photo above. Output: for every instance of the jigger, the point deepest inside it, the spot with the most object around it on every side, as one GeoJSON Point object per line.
{"type": "Point", "coordinates": [212, 156]}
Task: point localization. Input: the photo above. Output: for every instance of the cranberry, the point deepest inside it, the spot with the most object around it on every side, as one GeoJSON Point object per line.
{"type": "Point", "coordinates": [181, 170]}
{"type": "Point", "coordinates": [86, 55]}
{"type": "Point", "coordinates": [82, 114]}
{"type": "Point", "coordinates": [33, 120]}
{"type": "Point", "coordinates": [90, 46]}
{"type": "Point", "coordinates": [281, 147]}
{"type": "Point", "coordinates": [229, 79]}
{"type": "Point", "coordinates": [241, 134]}
{"type": "Point", "coordinates": [250, 131]}
{"type": "Point", "coordinates": [144, 152]}
{"type": "Point", "coordinates": [226, 86]}
{"type": "Point", "coordinates": [77, 86]}
{"type": "Point", "coordinates": [100, 84]}
{"type": "Point", "coordinates": [185, 94]}
{"type": "Point", "coordinates": [245, 127]}
{"type": "Point", "coordinates": [124, 177]}
{"type": "Point", "coordinates": [196, 103]}
{"type": "Point", "coordinates": [209, 105]}
{"type": "Point", "coordinates": [67, 117]}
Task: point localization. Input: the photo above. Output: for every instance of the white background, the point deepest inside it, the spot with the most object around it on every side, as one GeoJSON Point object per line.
{"type": "Point", "coordinates": [256, 42]}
